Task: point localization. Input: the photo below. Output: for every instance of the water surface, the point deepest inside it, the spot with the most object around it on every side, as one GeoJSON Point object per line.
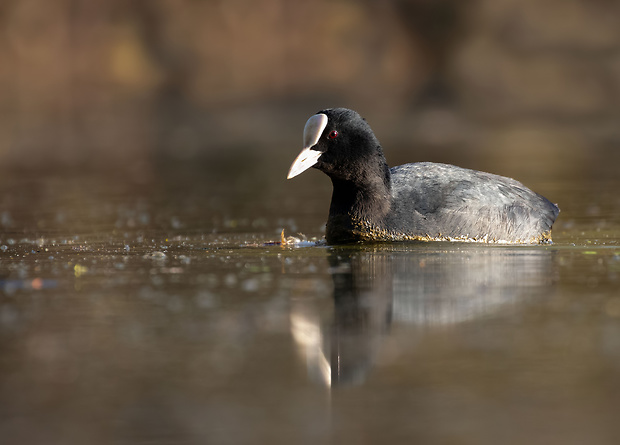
{"type": "Point", "coordinates": [148, 306]}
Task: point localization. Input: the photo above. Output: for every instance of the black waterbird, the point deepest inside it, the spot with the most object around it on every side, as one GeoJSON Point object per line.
{"type": "Point", "coordinates": [419, 201]}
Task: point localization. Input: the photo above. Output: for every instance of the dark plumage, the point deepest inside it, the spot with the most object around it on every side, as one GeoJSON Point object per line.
{"type": "Point", "coordinates": [417, 201]}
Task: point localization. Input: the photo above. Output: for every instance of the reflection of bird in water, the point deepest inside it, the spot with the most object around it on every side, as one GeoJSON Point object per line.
{"type": "Point", "coordinates": [413, 284]}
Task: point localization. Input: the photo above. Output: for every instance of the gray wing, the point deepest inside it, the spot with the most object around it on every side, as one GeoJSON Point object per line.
{"type": "Point", "coordinates": [444, 200]}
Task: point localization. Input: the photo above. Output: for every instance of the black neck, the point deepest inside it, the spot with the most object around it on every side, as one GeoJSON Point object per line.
{"type": "Point", "coordinates": [366, 199]}
{"type": "Point", "coordinates": [364, 202]}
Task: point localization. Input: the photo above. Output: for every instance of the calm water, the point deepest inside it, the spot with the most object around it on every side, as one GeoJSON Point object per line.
{"type": "Point", "coordinates": [143, 306]}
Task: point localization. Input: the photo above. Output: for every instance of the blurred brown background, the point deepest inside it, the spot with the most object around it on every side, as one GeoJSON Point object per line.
{"type": "Point", "coordinates": [86, 81]}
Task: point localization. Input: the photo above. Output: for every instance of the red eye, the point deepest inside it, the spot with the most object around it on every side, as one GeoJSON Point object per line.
{"type": "Point", "coordinates": [333, 134]}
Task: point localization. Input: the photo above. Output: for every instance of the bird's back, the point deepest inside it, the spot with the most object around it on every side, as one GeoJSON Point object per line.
{"type": "Point", "coordinates": [440, 201]}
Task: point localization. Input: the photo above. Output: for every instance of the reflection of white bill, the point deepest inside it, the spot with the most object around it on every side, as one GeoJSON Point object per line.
{"type": "Point", "coordinates": [305, 327]}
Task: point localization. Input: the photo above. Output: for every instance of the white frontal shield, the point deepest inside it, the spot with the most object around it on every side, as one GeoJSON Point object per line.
{"type": "Point", "coordinates": [308, 157]}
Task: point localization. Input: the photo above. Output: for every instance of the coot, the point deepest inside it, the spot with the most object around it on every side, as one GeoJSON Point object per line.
{"type": "Point", "coordinates": [419, 201]}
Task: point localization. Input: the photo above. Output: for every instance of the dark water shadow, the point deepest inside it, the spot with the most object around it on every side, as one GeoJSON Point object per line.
{"type": "Point", "coordinates": [431, 287]}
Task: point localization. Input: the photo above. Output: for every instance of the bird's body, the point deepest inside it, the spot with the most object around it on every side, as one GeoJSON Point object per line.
{"type": "Point", "coordinates": [420, 201]}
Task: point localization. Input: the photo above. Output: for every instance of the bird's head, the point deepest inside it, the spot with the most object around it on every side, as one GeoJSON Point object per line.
{"type": "Point", "coordinates": [339, 142]}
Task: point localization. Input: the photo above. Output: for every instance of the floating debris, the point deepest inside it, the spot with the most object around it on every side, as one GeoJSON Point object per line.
{"type": "Point", "coordinates": [158, 255]}
{"type": "Point", "coordinates": [289, 241]}
{"type": "Point", "coordinates": [79, 270]}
